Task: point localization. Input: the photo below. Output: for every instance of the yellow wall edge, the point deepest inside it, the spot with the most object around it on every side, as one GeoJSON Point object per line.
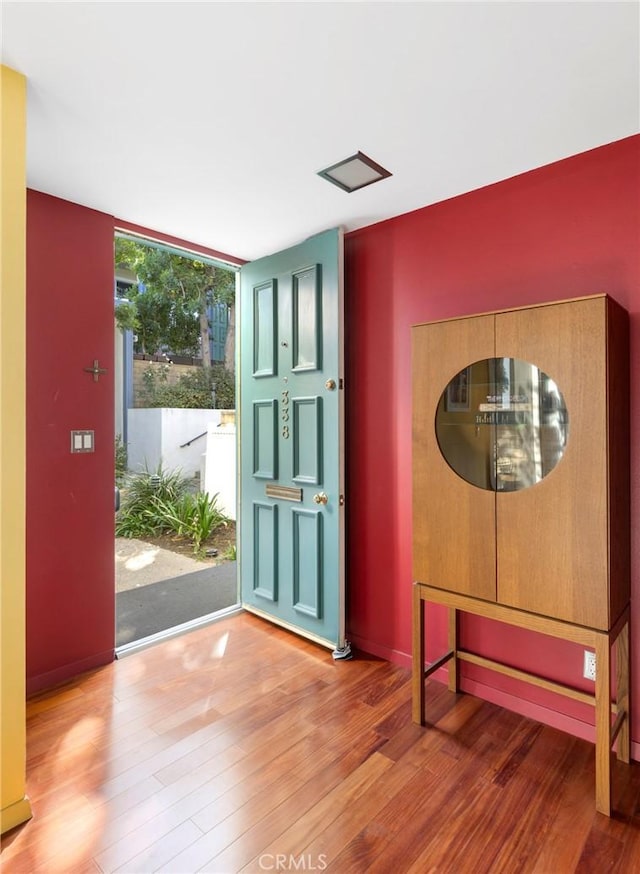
{"type": "Point", "coordinates": [16, 814]}
{"type": "Point", "coordinates": [13, 211]}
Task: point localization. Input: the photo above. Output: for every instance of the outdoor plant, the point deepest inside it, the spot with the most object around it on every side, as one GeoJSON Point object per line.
{"type": "Point", "coordinates": [195, 516]}
{"type": "Point", "coordinates": [138, 515]}
{"type": "Point", "coordinates": [173, 516]}
{"type": "Point", "coordinates": [207, 517]}
{"type": "Point", "coordinates": [126, 314]}
{"type": "Point", "coordinates": [121, 460]}
{"type": "Point", "coordinates": [200, 389]}
{"type": "Point", "coordinates": [232, 553]}
{"type": "Point", "coordinates": [160, 503]}
{"type": "Point", "coordinates": [154, 380]}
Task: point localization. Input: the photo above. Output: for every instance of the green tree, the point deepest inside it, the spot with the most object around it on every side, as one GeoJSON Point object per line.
{"type": "Point", "coordinates": [172, 309]}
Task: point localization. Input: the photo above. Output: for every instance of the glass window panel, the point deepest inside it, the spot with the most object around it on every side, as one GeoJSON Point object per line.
{"type": "Point", "coordinates": [502, 424]}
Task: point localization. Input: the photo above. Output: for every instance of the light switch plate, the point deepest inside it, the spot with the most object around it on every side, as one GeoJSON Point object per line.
{"type": "Point", "coordinates": [82, 441]}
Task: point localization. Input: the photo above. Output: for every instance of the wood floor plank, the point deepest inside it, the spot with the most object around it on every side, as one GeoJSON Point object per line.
{"type": "Point", "coordinates": [324, 812]}
{"type": "Point", "coordinates": [160, 839]}
{"type": "Point", "coordinates": [233, 745]}
{"type": "Point", "coordinates": [418, 816]}
{"type": "Point", "coordinates": [161, 849]}
{"type": "Point", "coordinates": [249, 837]}
{"type": "Point", "coordinates": [260, 787]}
{"type": "Point", "coordinates": [351, 818]}
{"type": "Point", "coordinates": [170, 804]}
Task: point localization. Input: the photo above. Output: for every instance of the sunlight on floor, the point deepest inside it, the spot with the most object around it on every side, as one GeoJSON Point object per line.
{"type": "Point", "coordinates": [66, 849]}
{"type": "Point", "coordinates": [220, 646]}
{"type": "Point", "coordinates": [179, 647]}
{"type": "Point", "coordinates": [78, 742]}
{"type": "Point", "coordinates": [142, 559]}
{"type": "Point", "coordinates": [75, 754]}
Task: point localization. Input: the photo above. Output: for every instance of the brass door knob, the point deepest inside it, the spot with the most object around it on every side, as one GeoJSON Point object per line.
{"type": "Point", "coordinates": [320, 498]}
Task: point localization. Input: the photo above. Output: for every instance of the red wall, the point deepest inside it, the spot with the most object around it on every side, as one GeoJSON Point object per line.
{"type": "Point", "coordinates": [566, 230]}
{"type": "Point", "coordinates": [70, 509]}
{"type": "Point", "coordinates": [70, 498]}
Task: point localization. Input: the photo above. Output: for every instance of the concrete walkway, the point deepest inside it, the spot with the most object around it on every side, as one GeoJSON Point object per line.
{"type": "Point", "coordinates": [141, 564]}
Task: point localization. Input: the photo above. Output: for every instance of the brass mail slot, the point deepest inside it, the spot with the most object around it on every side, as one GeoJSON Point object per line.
{"type": "Point", "coordinates": [283, 492]}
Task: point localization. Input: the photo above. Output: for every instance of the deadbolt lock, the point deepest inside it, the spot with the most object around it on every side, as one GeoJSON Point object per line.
{"type": "Point", "coordinates": [330, 384]}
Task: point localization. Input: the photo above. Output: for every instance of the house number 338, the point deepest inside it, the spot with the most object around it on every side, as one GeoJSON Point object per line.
{"type": "Point", "coordinates": [285, 414]}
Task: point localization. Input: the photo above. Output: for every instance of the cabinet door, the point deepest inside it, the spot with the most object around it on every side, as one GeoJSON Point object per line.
{"type": "Point", "coordinates": [453, 522]}
{"type": "Point", "coordinates": [552, 537]}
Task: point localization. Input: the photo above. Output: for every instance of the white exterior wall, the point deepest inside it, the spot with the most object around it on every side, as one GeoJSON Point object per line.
{"type": "Point", "coordinates": [219, 466]}
{"type": "Point", "coordinates": [144, 443]}
{"type": "Point", "coordinates": [156, 435]}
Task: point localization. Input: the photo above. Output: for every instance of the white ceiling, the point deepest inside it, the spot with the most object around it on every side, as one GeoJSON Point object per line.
{"type": "Point", "coordinates": [209, 121]}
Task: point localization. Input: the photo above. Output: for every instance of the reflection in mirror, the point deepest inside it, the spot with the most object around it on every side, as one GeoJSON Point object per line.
{"type": "Point", "coordinates": [502, 424]}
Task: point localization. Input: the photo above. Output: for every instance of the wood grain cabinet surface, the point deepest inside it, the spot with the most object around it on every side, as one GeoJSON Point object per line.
{"type": "Point", "coordinates": [558, 548]}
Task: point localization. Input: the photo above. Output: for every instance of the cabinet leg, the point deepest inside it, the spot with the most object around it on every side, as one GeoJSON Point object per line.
{"type": "Point", "coordinates": [622, 693]}
{"type": "Point", "coordinates": [418, 692]}
{"type": "Point", "coordinates": [603, 724]}
{"type": "Point", "coordinates": [454, 671]}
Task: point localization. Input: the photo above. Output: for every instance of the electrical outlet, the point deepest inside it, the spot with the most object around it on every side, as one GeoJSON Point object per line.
{"type": "Point", "coordinates": [589, 672]}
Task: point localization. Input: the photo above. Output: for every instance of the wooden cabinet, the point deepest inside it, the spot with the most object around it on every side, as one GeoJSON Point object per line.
{"type": "Point", "coordinates": [521, 491]}
{"type": "Point", "coordinates": [559, 548]}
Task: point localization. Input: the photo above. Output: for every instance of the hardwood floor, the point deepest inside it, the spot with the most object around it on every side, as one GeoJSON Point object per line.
{"type": "Point", "coordinates": [239, 747]}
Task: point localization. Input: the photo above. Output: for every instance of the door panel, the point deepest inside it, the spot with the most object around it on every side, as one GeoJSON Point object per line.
{"type": "Point", "coordinates": [265, 328]}
{"type": "Point", "coordinates": [307, 319]}
{"type": "Point", "coordinates": [307, 440]}
{"type": "Point", "coordinates": [291, 420]}
{"type": "Point", "coordinates": [265, 548]}
{"type": "Point", "coordinates": [307, 562]}
{"type": "Point", "coordinates": [265, 439]}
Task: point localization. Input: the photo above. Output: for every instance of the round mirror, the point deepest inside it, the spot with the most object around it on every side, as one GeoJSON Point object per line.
{"type": "Point", "coordinates": [502, 424]}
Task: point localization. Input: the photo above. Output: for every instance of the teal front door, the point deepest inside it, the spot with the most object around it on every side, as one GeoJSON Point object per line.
{"type": "Point", "coordinates": [291, 430]}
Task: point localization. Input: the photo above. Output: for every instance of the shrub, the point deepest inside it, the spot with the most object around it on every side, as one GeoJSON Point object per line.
{"type": "Point", "coordinates": [121, 460]}
{"type": "Point", "coordinates": [138, 514]}
{"type": "Point", "coordinates": [195, 516]}
{"type": "Point", "coordinates": [160, 503]}
{"type": "Point", "coordinates": [232, 553]}
{"type": "Point", "coordinates": [194, 391]}
{"type": "Point", "coordinates": [207, 517]}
